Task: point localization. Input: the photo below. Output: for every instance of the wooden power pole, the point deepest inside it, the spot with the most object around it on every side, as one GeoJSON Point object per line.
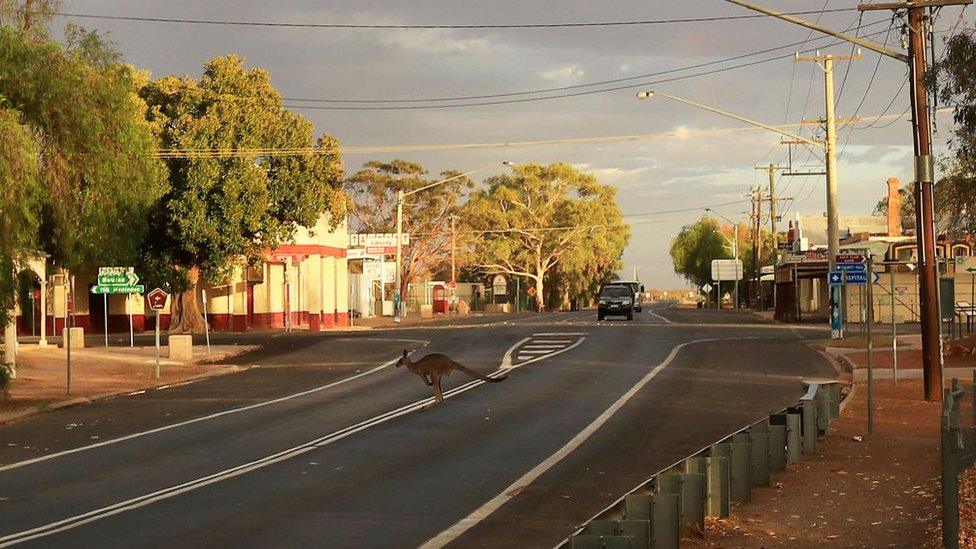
{"type": "Point", "coordinates": [918, 27]}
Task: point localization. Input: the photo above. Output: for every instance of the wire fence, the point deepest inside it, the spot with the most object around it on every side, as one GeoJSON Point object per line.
{"type": "Point", "coordinates": [958, 456]}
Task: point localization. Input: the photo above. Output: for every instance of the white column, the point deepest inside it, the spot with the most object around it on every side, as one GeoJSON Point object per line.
{"type": "Point", "coordinates": [43, 340]}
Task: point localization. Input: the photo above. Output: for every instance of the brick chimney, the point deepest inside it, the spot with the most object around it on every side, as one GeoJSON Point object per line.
{"type": "Point", "coordinates": [894, 207]}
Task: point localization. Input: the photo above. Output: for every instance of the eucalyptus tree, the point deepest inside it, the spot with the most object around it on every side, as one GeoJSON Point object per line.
{"type": "Point", "coordinates": [244, 174]}
{"type": "Point", "coordinates": [543, 219]}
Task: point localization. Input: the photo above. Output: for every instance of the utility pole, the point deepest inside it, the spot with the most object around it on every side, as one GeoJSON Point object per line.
{"type": "Point", "coordinates": [928, 274]}
{"type": "Point", "coordinates": [924, 169]}
{"type": "Point", "coordinates": [826, 62]}
{"type": "Point", "coordinates": [453, 243]}
{"type": "Point", "coordinates": [757, 200]}
{"type": "Point", "coordinates": [772, 169]}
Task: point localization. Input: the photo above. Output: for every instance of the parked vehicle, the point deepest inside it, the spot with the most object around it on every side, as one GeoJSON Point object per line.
{"type": "Point", "coordinates": [635, 287]}
{"type": "Point", "coordinates": [616, 300]}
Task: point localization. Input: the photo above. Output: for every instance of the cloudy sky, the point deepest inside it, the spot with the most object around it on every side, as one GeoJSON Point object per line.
{"type": "Point", "coordinates": [691, 159]}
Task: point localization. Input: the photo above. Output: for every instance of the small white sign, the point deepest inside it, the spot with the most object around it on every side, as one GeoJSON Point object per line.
{"type": "Point", "coordinates": [707, 288]}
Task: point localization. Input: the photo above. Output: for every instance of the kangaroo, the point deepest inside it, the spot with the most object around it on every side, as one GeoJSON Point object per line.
{"type": "Point", "coordinates": [433, 367]}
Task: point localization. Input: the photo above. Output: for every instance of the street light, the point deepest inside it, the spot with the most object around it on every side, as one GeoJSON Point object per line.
{"type": "Point", "coordinates": [735, 247]}
{"type": "Point", "coordinates": [398, 295]}
{"type": "Point", "coordinates": [833, 232]}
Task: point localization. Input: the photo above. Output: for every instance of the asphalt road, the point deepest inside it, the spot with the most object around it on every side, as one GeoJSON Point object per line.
{"type": "Point", "coordinates": [323, 445]}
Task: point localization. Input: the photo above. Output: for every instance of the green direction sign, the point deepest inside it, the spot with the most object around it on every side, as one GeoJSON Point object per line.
{"type": "Point", "coordinates": [120, 289]}
{"type": "Point", "coordinates": [118, 279]}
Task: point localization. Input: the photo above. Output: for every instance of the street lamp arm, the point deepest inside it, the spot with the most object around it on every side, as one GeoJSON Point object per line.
{"type": "Point", "coordinates": [867, 44]}
{"type": "Point", "coordinates": [733, 116]}
{"type": "Point", "coordinates": [452, 178]}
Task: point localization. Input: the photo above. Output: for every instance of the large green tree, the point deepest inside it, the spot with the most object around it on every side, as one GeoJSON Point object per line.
{"type": "Point", "coordinates": [694, 248]}
{"type": "Point", "coordinates": [245, 173]}
{"type": "Point", "coordinates": [21, 197]}
{"type": "Point", "coordinates": [78, 167]}
{"type": "Point", "coordinates": [426, 214]}
{"type": "Point", "coordinates": [954, 79]}
{"type": "Point", "coordinates": [543, 218]}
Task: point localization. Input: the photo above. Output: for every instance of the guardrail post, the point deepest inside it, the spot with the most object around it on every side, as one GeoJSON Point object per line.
{"type": "Point", "coordinates": [637, 507]}
{"type": "Point", "coordinates": [759, 435]}
{"type": "Point", "coordinates": [777, 442]}
{"type": "Point", "coordinates": [719, 480]}
{"type": "Point", "coordinates": [665, 528]}
{"type": "Point", "coordinates": [793, 438]}
{"type": "Point", "coordinates": [637, 532]}
{"type": "Point", "coordinates": [823, 409]}
{"type": "Point", "coordinates": [589, 541]}
{"type": "Point", "coordinates": [809, 427]}
{"type": "Point", "coordinates": [950, 472]}
{"type": "Point", "coordinates": [697, 469]}
{"type": "Point", "coordinates": [741, 468]}
{"type": "Point", "coordinates": [834, 399]}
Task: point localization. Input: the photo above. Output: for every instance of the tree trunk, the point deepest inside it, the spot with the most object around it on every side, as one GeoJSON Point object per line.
{"type": "Point", "coordinates": [539, 300]}
{"type": "Point", "coordinates": [185, 317]}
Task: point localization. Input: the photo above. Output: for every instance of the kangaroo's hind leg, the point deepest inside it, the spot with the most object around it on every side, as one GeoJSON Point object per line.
{"type": "Point", "coordinates": [438, 393]}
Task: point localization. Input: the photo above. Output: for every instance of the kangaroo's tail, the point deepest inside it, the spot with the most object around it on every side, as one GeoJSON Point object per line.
{"type": "Point", "coordinates": [476, 375]}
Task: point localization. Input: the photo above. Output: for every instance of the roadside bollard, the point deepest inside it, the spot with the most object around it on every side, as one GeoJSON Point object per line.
{"type": "Point", "coordinates": [809, 427]}
{"type": "Point", "coordinates": [793, 438]}
{"type": "Point", "coordinates": [759, 436]}
{"type": "Point", "coordinates": [717, 486]}
{"type": "Point", "coordinates": [741, 468]}
{"type": "Point", "coordinates": [777, 443]}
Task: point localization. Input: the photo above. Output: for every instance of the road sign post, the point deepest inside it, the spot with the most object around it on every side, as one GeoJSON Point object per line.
{"type": "Point", "coordinates": [870, 321]}
{"type": "Point", "coordinates": [206, 321]}
{"type": "Point", "coordinates": [157, 300]}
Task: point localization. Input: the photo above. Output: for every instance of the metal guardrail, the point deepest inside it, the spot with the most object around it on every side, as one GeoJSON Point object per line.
{"type": "Point", "coordinates": [958, 453]}
{"type": "Point", "coordinates": [676, 499]}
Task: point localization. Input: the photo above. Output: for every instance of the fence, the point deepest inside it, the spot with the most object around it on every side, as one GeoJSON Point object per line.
{"type": "Point", "coordinates": [958, 452]}
{"type": "Point", "coordinates": [677, 499]}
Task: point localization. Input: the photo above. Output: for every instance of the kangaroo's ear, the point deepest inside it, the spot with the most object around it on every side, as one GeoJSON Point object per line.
{"type": "Point", "coordinates": [405, 352]}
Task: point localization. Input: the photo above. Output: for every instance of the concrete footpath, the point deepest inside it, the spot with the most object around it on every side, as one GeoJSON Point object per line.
{"type": "Point", "coordinates": [101, 372]}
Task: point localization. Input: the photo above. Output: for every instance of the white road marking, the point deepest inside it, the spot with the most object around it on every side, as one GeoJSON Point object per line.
{"type": "Point", "coordinates": [652, 313]}
{"type": "Point", "coordinates": [204, 418]}
{"type": "Point", "coordinates": [508, 493]}
{"type": "Point", "coordinates": [553, 341]}
{"type": "Point", "coordinates": [559, 334]}
{"type": "Point", "coordinates": [546, 346]}
{"type": "Point", "coordinates": [167, 493]}
{"type": "Point", "coordinates": [535, 352]}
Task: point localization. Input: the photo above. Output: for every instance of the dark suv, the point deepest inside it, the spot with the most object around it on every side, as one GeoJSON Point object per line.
{"type": "Point", "coordinates": [615, 300]}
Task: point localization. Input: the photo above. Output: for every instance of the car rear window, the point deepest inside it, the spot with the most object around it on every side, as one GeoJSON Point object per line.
{"type": "Point", "coordinates": [615, 291]}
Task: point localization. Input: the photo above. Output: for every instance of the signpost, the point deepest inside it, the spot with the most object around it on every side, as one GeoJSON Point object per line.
{"type": "Point", "coordinates": [157, 300]}
{"type": "Point", "coordinates": [206, 320]}
{"type": "Point", "coordinates": [116, 280]}
{"type": "Point", "coordinates": [856, 268]}
{"type": "Point", "coordinates": [707, 288]}
{"type": "Point", "coordinates": [727, 269]}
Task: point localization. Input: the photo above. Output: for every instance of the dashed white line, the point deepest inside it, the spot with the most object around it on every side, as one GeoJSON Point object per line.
{"type": "Point", "coordinates": [167, 493]}
{"type": "Point", "coordinates": [462, 526]}
{"type": "Point", "coordinates": [201, 418]}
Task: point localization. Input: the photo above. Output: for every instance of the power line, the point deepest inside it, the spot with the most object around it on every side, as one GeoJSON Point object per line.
{"type": "Point", "coordinates": [399, 149]}
{"type": "Point", "coordinates": [572, 87]}
{"type": "Point", "coordinates": [276, 24]}
{"type": "Point", "coordinates": [550, 97]}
